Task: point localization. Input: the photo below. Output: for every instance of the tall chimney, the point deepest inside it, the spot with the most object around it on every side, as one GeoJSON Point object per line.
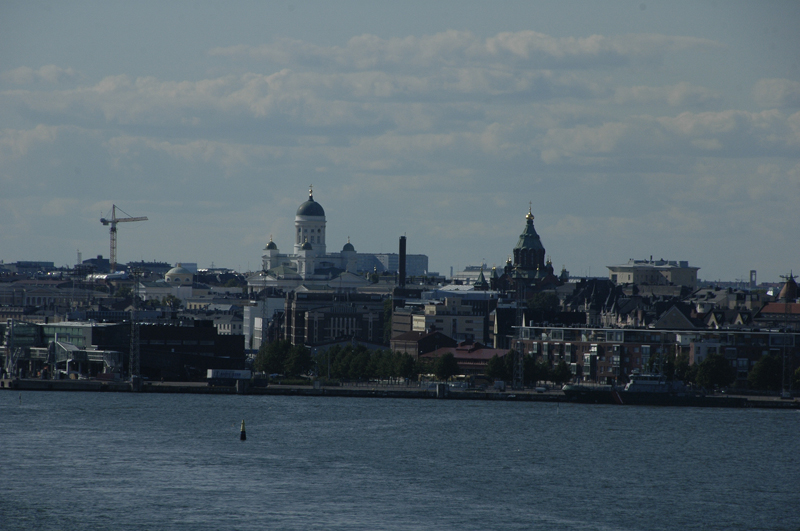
{"type": "Point", "coordinates": [402, 261]}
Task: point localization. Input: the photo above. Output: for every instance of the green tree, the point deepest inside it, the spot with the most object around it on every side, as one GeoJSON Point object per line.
{"type": "Point", "coordinates": [767, 373]}
{"type": "Point", "coordinates": [124, 292]}
{"type": "Point", "coordinates": [682, 367]}
{"type": "Point", "coordinates": [561, 373]}
{"type": "Point", "coordinates": [298, 361]}
{"type": "Point", "coordinates": [271, 357]}
{"type": "Point", "coordinates": [714, 371]}
{"type": "Point", "coordinates": [359, 364]}
{"type": "Point", "coordinates": [405, 366]}
{"type": "Point", "coordinates": [341, 363]}
{"type": "Point", "coordinates": [446, 366]}
{"type": "Point", "coordinates": [495, 368]}
{"type": "Point", "coordinates": [542, 372]}
{"type": "Point", "coordinates": [535, 371]}
{"type": "Point", "coordinates": [172, 301]}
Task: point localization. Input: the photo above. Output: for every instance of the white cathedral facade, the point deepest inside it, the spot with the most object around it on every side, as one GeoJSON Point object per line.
{"type": "Point", "coordinates": [310, 264]}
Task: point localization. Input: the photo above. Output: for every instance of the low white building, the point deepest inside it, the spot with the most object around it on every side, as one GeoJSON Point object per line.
{"type": "Point", "coordinates": [654, 272]}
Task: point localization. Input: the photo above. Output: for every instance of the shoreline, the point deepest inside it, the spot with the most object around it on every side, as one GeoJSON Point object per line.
{"type": "Point", "coordinates": [366, 391]}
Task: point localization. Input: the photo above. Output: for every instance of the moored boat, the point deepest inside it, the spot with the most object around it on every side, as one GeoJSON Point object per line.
{"type": "Point", "coordinates": [645, 389]}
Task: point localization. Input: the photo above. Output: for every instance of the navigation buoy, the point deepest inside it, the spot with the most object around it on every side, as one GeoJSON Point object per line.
{"type": "Point", "coordinates": [242, 435]}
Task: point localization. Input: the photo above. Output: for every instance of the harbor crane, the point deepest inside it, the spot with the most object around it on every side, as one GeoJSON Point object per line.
{"type": "Point", "coordinates": [113, 230]}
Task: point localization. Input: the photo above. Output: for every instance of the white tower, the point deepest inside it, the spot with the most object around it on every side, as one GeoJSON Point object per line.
{"type": "Point", "coordinates": [270, 257]}
{"type": "Point", "coordinates": [309, 225]}
{"type": "Point", "coordinates": [349, 257]}
{"type": "Point", "coordinates": [305, 261]}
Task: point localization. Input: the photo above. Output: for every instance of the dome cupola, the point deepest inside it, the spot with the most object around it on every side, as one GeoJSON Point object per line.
{"type": "Point", "coordinates": [310, 207]}
{"type": "Point", "coordinates": [179, 276]}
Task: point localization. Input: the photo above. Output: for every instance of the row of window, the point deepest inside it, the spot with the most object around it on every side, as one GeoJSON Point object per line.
{"type": "Point", "coordinates": [175, 342]}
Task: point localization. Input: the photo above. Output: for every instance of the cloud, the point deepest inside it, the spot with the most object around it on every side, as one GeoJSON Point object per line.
{"type": "Point", "coordinates": [538, 50]}
{"type": "Point", "coordinates": [742, 132]}
{"type": "Point", "coordinates": [26, 75]}
{"type": "Point", "coordinates": [777, 93]}
{"type": "Point", "coordinates": [446, 135]}
{"type": "Point", "coordinates": [679, 95]}
{"type": "Point", "coordinates": [16, 143]}
{"type": "Point", "coordinates": [731, 133]}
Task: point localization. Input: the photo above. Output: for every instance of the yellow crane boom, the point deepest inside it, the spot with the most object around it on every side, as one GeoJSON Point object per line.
{"type": "Point", "coordinates": [113, 230]}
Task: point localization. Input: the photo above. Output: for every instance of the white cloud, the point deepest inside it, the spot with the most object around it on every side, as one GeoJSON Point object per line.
{"type": "Point", "coordinates": [17, 143]}
{"type": "Point", "coordinates": [25, 75]}
{"type": "Point", "coordinates": [679, 95]}
{"type": "Point", "coordinates": [777, 93]}
{"type": "Point", "coordinates": [451, 47]}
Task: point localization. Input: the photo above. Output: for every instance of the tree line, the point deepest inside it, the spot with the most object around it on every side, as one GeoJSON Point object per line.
{"type": "Point", "coordinates": [338, 362]}
{"type": "Point", "coordinates": [715, 371]}
{"type": "Point", "coordinates": [357, 362]}
{"type": "Point", "coordinates": [502, 368]}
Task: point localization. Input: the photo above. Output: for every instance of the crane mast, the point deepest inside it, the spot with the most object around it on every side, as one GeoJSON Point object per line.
{"type": "Point", "coordinates": [113, 230]}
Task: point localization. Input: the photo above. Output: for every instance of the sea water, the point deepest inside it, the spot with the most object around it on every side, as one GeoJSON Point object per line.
{"type": "Point", "coordinates": [85, 461]}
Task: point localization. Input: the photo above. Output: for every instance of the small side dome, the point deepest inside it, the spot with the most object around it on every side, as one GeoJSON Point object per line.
{"type": "Point", "coordinates": [271, 245]}
{"type": "Point", "coordinates": [306, 246]}
{"type": "Point", "coordinates": [348, 247]}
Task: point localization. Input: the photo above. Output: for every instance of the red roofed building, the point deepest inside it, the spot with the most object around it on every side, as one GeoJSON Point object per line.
{"type": "Point", "coordinates": [419, 343]}
{"type": "Point", "coordinates": [471, 357]}
{"type": "Point", "coordinates": [779, 315]}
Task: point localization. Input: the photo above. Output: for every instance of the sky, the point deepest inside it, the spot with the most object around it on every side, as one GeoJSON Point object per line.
{"type": "Point", "coordinates": [630, 129]}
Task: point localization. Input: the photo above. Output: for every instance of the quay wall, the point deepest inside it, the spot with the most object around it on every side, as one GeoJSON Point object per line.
{"type": "Point", "coordinates": [358, 392]}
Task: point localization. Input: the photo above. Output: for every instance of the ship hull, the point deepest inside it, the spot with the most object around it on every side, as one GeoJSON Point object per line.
{"type": "Point", "coordinates": [610, 395]}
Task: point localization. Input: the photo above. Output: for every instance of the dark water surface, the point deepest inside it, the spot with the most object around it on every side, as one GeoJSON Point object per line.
{"type": "Point", "coordinates": [75, 461]}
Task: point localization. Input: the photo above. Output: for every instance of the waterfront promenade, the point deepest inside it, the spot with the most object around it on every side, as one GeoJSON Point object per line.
{"type": "Point", "coordinates": [363, 390]}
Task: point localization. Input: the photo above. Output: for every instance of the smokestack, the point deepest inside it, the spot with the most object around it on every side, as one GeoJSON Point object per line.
{"type": "Point", "coordinates": [402, 261]}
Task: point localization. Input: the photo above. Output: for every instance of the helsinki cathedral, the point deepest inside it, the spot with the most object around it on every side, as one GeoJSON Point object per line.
{"type": "Point", "coordinates": [310, 264]}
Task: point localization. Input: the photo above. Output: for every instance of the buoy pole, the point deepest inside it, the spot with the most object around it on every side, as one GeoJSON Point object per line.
{"type": "Point", "coordinates": [242, 435]}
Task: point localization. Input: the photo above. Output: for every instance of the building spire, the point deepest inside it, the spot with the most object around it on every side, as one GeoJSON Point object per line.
{"type": "Point", "coordinates": [529, 217]}
{"type": "Point", "coordinates": [310, 192]}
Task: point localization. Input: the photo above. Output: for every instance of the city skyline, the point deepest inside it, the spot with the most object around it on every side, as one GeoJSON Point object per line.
{"type": "Point", "coordinates": [632, 129]}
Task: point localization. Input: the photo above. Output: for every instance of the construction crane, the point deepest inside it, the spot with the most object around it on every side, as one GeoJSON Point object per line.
{"type": "Point", "coordinates": [113, 222]}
